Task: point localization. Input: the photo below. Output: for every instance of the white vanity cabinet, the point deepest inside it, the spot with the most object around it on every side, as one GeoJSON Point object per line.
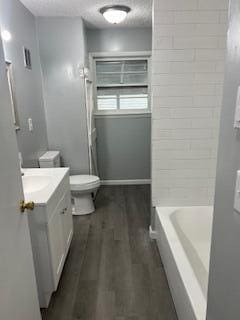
{"type": "Point", "coordinates": [51, 230]}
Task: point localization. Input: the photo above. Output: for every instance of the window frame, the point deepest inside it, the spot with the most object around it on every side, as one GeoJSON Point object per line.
{"type": "Point", "coordinates": [122, 56]}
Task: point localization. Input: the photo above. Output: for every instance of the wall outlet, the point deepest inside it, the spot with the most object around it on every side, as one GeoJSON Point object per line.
{"type": "Point", "coordinates": [237, 193]}
{"type": "Point", "coordinates": [237, 111]}
{"type": "Point", "coordinates": [30, 124]}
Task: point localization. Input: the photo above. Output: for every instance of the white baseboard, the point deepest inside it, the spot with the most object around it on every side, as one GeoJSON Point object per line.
{"type": "Point", "coordinates": [152, 233]}
{"type": "Point", "coordinates": [125, 182]}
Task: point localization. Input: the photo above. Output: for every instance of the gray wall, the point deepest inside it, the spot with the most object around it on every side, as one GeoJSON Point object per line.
{"type": "Point", "coordinates": [21, 23]}
{"type": "Point", "coordinates": [120, 39]}
{"type": "Point", "coordinates": [224, 282]}
{"type": "Point", "coordinates": [62, 52]}
{"type": "Point", "coordinates": [123, 147]}
{"type": "Point", "coordinates": [123, 143]}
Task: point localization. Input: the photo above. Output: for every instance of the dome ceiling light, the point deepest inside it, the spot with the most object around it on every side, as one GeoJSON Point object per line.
{"type": "Point", "coordinates": [115, 14]}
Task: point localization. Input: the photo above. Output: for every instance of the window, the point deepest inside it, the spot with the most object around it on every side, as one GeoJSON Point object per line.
{"type": "Point", "coordinates": [122, 85]}
{"type": "Point", "coordinates": [12, 94]}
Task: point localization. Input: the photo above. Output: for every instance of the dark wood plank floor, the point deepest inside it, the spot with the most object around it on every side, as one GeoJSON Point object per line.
{"type": "Point", "coordinates": [113, 271]}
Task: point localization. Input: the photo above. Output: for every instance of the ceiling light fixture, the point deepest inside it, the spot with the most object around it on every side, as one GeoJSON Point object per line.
{"type": "Point", "coordinates": [115, 14]}
{"type": "Point", "coordinates": [6, 35]}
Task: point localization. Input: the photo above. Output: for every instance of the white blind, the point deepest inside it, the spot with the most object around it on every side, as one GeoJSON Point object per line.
{"type": "Point", "coordinates": [122, 85]}
{"type": "Point", "coordinates": [122, 98]}
{"type": "Point", "coordinates": [126, 72]}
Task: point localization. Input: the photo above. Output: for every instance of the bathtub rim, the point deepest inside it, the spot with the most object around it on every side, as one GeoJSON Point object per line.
{"type": "Point", "coordinates": [189, 281]}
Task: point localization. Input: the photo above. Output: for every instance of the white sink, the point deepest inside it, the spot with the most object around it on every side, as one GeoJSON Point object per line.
{"type": "Point", "coordinates": [35, 183]}
{"type": "Point", "coordinates": [39, 185]}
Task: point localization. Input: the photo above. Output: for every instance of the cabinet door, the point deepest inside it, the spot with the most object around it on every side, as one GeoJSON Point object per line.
{"type": "Point", "coordinates": [56, 242]}
{"type": "Point", "coordinates": [67, 221]}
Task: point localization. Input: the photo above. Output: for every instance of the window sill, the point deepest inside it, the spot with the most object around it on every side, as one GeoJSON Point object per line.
{"type": "Point", "coordinates": [128, 113]}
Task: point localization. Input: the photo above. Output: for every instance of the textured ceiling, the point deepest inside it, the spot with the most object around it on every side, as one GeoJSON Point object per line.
{"type": "Point", "coordinates": [140, 15]}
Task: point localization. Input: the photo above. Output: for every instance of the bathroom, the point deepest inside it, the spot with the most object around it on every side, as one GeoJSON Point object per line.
{"type": "Point", "coordinates": [120, 168]}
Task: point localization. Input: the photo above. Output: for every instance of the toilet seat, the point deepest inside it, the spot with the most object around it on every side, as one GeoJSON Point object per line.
{"type": "Point", "coordinates": [84, 182]}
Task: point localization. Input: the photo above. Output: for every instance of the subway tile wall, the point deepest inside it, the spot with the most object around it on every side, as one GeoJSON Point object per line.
{"type": "Point", "coordinates": [189, 41]}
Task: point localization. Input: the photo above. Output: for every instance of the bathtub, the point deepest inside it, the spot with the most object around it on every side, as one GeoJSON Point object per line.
{"type": "Point", "coordinates": [184, 239]}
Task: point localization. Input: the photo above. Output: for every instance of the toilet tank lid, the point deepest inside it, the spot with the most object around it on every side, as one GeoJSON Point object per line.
{"type": "Point", "coordinates": [49, 156]}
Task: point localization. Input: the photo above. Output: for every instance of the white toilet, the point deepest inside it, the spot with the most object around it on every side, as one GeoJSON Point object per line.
{"type": "Point", "coordinates": [82, 187]}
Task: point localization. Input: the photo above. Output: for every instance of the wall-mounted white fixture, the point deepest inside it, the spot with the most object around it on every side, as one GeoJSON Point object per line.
{"type": "Point", "coordinates": [6, 35]}
{"type": "Point", "coordinates": [237, 193]}
{"type": "Point", "coordinates": [237, 111]}
{"type": "Point", "coordinates": [115, 14]}
{"type": "Point", "coordinates": [30, 124]}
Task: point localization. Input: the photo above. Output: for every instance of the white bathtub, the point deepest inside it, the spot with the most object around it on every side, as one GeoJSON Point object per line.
{"type": "Point", "coordinates": [184, 239]}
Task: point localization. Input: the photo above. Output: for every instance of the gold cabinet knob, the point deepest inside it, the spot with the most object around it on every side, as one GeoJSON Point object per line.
{"type": "Point", "coordinates": [26, 206]}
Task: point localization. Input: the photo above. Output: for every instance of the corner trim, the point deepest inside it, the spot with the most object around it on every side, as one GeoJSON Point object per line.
{"type": "Point", "coordinates": [125, 182]}
{"type": "Point", "coordinates": [153, 234]}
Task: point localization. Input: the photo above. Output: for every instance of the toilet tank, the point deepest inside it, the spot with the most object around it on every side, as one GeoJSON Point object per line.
{"type": "Point", "coordinates": [50, 159]}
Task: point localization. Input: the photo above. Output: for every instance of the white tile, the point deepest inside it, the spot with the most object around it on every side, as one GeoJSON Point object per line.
{"type": "Point", "coordinates": [183, 164]}
{"type": "Point", "coordinates": [203, 144]}
{"type": "Point", "coordinates": [183, 154]}
{"type": "Point", "coordinates": [182, 134]}
{"type": "Point", "coordinates": [210, 78]}
{"type": "Point", "coordinates": [171, 124]}
{"type": "Point", "coordinates": [196, 42]}
{"type": "Point", "coordinates": [220, 66]}
{"type": "Point", "coordinates": [171, 144]}
{"type": "Point", "coordinates": [217, 113]}
{"type": "Point", "coordinates": [173, 79]}
{"type": "Point", "coordinates": [162, 43]}
{"type": "Point", "coordinates": [162, 113]}
{"type": "Point", "coordinates": [222, 42]}
{"type": "Point", "coordinates": [196, 17]}
{"type": "Point", "coordinates": [183, 183]}
{"type": "Point", "coordinates": [172, 102]}
{"type": "Point", "coordinates": [183, 90]}
{"type": "Point", "coordinates": [163, 134]}
{"type": "Point", "coordinates": [192, 113]}
{"type": "Point", "coordinates": [219, 90]}
{"type": "Point", "coordinates": [190, 173]}
{"type": "Point", "coordinates": [210, 54]}
{"type": "Point", "coordinates": [213, 4]}
{"type": "Point", "coordinates": [184, 67]}
{"type": "Point", "coordinates": [205, 123]}
{"type": "Point", "coordinates": [207, 101]}
{"type": "Point", "coordinates": [174, 5]}
{"type": "Point", "coordinates": [173, 55]}
{"type": "Point", "coordinates": [163, 17]}
{"type": "Point", "coordinates": [223, 17]}
{"type": "Point", "coordinates": [190, 30]}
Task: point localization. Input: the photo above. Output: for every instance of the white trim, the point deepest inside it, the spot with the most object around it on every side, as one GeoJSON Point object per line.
{"type": "Point", "coordinates": [125, 182]}
{"type": "Point", "coordinates": [152, 233]}
{"type": "Point", "coordinates": [134, 55]}
{"type": "Point", "coordinates": [109, 54]}
{"type": "Point", "coordinates": [121, 113]}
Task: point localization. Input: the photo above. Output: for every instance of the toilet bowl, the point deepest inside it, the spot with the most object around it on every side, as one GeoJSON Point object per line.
{"type": "Point", "coordinates": [82, 188]}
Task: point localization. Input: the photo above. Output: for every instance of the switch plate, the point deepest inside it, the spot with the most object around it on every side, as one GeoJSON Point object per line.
{"type": "Point", "coordinates": [30, 124]}
{"type": "Point", "coordinates": [237, 111]}
{"type": "Point", "coordinates": [237, 193]}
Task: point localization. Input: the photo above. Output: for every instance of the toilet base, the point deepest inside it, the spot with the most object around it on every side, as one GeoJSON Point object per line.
{"type": "Point", "coordinates": [83, 204]}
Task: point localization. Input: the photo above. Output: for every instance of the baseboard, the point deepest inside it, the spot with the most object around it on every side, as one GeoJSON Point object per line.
{"type": "Point", "coordinates": [125, 182]}
{"type": "Point", "coordinates": [152, 233]}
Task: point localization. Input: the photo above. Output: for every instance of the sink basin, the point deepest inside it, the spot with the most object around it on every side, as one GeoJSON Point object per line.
{"type": "Point", "coordinates": [35, 183]}
{"type": "Point", "coordinates": [40, 184]}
